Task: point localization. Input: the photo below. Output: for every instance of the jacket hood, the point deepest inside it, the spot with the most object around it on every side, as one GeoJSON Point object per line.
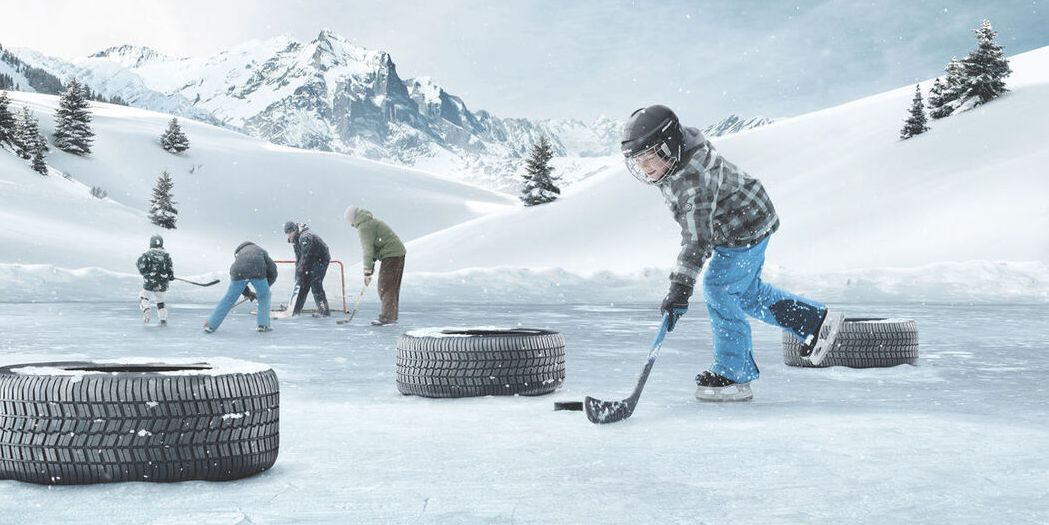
{"type": "Point", "coordinates": [242, 245]}
{"type": "Point", "coordinates": [693, 139]}
{"type": "Point", "coordinates": [361, 216]}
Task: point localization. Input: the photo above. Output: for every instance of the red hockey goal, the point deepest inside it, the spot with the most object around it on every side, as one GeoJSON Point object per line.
{"type": "Point", "coordinates": [334, 287]}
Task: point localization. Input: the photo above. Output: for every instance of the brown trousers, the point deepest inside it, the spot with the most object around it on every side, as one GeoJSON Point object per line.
{"type": "Point", "coordinates": [391, 269]}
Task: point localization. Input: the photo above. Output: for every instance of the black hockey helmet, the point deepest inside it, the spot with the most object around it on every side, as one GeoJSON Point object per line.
{"type": "Point", "coordinates": [653, 143]}
{"type": "Point", "coordinates": [156, 241]}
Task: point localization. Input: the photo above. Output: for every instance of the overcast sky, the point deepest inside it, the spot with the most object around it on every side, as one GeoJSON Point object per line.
{"type": "Point", "coordinates": [559, 58]}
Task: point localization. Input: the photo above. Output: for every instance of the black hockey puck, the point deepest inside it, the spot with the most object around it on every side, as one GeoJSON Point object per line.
{"type": "Point", "coordinates": [568, 405]}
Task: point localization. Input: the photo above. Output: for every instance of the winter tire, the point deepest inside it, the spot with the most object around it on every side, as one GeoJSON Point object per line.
{"type": "Point", "coordinates": [94, 422]}
{"type": "Point", "coordinates": [465, 363]}
{"type": "Point", "coordinates": [863, 343]}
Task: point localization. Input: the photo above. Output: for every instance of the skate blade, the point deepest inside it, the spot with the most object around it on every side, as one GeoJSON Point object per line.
{"type": "Point", "coordinates": [725, 393]}
{"type": "Point", "coordinates": [823, 348]}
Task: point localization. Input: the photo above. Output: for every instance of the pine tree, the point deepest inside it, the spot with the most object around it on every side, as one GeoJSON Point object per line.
{"type": "Point", "coordinates": [26, 133]}
{"type": "Point", "coordinates": [7, 120]}
{"type": "Point", "coordinates": [173, 140]}
{"type": "Point", "coordinates": [73, 132]}
{"type": "Point", "coordinates": [162, 210]}
{"type": "Point", "coordinates": [539, 184]}
{"type": "Point", "coordinates": [916, 123]}
{"type": "Point", "coordinates": [951, 90]}
{"type": "Point", "coordinates": [38, 164]}
{"type": "Point", "coordinates": [986, 67]}
{"type": "Point", "coordinates": [935, 101]}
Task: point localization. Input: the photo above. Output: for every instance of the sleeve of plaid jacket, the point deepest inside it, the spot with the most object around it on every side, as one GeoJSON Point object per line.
{"type": "Point", "coordinates": [696, 215]}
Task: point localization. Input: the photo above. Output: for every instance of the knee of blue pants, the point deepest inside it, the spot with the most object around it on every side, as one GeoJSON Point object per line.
{"type": "Point", "coordinates": [720, 296]}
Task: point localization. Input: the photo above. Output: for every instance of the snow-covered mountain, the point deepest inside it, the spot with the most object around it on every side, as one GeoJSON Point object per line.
{"type": "Point", "coordinates": [735, 124]}
{"type": "Point", "coordinates": [332, 95]}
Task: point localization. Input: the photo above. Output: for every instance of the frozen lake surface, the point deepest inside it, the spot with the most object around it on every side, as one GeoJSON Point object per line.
{"type": "Point", "coordinates": [962, 437]}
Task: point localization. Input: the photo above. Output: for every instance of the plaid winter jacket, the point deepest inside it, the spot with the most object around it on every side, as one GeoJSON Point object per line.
{"type": "Point", "coordinates": [716, 204]}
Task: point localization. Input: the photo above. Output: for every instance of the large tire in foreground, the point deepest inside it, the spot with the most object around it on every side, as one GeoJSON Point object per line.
{"type": "Point", "coordinates": [94, 422]}
{"type": "Point", "coordinates": [481, 362]}
{"type": "Point", "coordinates": [863, 343]}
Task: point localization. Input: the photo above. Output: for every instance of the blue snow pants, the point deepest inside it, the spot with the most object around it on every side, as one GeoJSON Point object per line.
{"type": "Point", "coordinates": [236, 288]}
{"type": "Point", "coordinates": [733, 289]}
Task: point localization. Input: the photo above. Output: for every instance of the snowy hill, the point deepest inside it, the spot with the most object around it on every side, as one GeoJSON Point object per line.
{"type": "Point", "coordinates": [229, 188]}
{"type": "Point", "coordinates": [332, 95]}
{"type": "Point", "coordinates": [850, 196]}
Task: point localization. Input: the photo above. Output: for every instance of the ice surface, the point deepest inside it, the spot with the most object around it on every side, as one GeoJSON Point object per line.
{"type": "Point", "coordinates": [958, 438]}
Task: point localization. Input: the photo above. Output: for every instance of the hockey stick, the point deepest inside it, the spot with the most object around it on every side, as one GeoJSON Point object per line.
{"type": "Point", "coordinates": [600, 412]}
{"type": "Point", "coordinates": [209, 283]}
{"type": "Point", "coordinates": [355, 306]}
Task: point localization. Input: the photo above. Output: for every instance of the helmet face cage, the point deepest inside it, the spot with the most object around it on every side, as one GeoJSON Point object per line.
{"type": "Point", "coordinates": [653, 164]}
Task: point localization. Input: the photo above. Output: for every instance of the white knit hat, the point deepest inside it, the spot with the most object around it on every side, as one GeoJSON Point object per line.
{"type": "Point", "coordinates": [351, 214]}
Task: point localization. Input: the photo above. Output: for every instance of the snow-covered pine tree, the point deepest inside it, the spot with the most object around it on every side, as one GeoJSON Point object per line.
{"type": "Point", "coordinates": [162, 210]}
{"type": "Point", "coordinates": [38, 163]}
{"type": "Point", "coordinates": [173, 140]}
{"type": "Point", "coordinates": [540, 186]}
{"type": "Point", "coordinates": [916, 123]}
{"type": "Point", "coordinates": [986, 67]}
{"type": "Point", "coordinates": [7, 120]}
{"type": "Point", "coordinates": [935, 101]}
{"type": "Point", "coordinates": [26, 133]}
{"type": "Point", "coordinates": [951, 91]}
{"type": "Point", "coordinates": [73, 132]}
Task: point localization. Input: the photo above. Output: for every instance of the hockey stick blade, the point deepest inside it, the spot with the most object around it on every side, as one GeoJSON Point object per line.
{"type": "Point", "coordinates": [209, 283]}
{"type": "Point", "coordinates": [356, 306]}
{"type": "Point", "coordinates": [600, 412]}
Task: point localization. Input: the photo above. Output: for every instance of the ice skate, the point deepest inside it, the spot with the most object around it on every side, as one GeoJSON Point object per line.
{"type": "Point", "coordinates": [712, 387]}
{"type": "Point", "coordinates": [263, 328]}
{"type": "Point", "coordinates": [824, 338]}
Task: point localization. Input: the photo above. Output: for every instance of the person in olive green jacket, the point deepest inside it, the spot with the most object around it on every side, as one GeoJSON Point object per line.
{"type": "Point", "coordinates": [379, 243]}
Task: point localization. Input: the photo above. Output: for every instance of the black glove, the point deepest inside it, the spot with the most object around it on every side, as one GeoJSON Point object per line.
{"type": "Point", "coordinates": [675, 304]}
{"type": "Point", "coordinates": [249, 294]}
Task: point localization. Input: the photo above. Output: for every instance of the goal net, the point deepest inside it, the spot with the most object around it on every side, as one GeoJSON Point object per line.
{"type": "Point", "coordinates": [334, 288]}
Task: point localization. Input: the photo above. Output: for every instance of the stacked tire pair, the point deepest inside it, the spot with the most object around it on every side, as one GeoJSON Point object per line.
{"type": "Point", "coordinates": [863, 343]}
{"type": "Point", "coordinates": [480, 362]}
{"type": "Point", "coordinates": [85, 422]}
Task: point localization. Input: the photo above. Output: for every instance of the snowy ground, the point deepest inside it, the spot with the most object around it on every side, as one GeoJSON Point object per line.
{"type": "Point", "coordinates": [959, 438]}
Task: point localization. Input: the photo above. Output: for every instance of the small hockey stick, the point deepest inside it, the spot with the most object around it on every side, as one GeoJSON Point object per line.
{"type": "Point", "coordinates": [209, 283]}
{"type": "Point", "coordinates": [355, 306]}
{"type": "Point", "coordinates": [600, 412]}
